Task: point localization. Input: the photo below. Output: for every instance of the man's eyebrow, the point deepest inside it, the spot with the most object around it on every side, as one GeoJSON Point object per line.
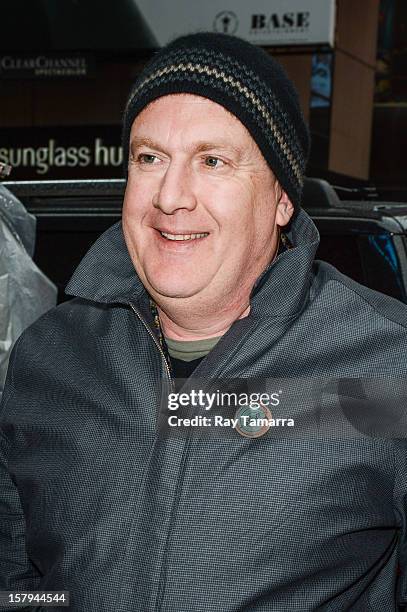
{"type": "Point", "coordinates": [216, 144]}
{"type": "Point", "coordinates": [138, 142]}
{"type": "Point", "coordinates": [198, 147]}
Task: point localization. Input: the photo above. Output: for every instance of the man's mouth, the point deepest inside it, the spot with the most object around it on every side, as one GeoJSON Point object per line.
{"type": "Point", "coordinates": [183, 236]}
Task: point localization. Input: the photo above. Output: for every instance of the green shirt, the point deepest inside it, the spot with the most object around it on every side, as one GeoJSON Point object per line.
{"type": "Point", "coordinates": [188, 350]}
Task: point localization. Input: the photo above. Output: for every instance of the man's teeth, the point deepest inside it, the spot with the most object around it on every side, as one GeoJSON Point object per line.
{"type": "Point", "coordinates": [183, 236]}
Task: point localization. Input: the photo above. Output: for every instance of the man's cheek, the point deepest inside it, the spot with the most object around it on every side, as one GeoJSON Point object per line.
{"type": "Point", "coordinates": [137, 203]}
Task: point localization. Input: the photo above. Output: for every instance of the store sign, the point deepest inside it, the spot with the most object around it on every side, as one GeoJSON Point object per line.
{"type": "Point", "coordinates": [263, 22]}
{"type": "Point", "coordinates": [62, 153]}
{"type": "Point", "coordinates": [43, 66]}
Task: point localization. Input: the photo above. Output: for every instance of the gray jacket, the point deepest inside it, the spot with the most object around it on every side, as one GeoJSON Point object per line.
{"type": "Point", "coordinates": [95, 501]}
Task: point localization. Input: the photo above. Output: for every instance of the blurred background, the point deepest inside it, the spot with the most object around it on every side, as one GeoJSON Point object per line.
{"type": "Point", "coordinates": [66, 68]}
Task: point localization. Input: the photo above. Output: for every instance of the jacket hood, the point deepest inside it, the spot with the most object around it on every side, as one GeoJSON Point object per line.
{"type": "Point", "coordinates": [106, 273]}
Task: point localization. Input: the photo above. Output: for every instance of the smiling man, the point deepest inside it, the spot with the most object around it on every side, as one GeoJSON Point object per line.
{"type": "Point", "coordinates": [210, 275]}
{"type": "Point", "coordinates": [201, 215]}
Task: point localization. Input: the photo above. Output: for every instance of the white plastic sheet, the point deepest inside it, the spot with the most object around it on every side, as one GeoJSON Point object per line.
{"type": "Point", "coordinates": [25, 292]}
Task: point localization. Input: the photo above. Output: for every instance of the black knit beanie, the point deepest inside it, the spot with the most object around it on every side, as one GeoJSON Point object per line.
{"type": "Point", "coordinates": [246, 81]}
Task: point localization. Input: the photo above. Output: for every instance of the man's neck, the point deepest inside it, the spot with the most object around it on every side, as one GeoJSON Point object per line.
{"type": "Point", "coordinates": [199, 328]}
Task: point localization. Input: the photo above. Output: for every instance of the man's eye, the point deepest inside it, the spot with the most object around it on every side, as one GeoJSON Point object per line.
{"type": "Point", "coordinates": [213, 162]}
{"type": "Point", "coordinates": [146, 158]}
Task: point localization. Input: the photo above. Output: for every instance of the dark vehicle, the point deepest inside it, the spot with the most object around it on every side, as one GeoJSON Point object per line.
{"type": "Point", "coordinates": [367, 240]}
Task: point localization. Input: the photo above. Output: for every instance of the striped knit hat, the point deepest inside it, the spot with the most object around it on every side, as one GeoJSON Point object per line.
{"type": "Point", "coordinates": [246, 81]}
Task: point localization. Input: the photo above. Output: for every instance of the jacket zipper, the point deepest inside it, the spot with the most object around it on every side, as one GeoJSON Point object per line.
{"type": "Point", "coordinates": [161, 585]}
{"type": "Point", "coordinates": [146, 325]}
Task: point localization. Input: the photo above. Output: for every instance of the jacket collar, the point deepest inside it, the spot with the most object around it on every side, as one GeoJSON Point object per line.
{"type": "Point", "coordinates": [282, 289]}
{"type": "Point", "coordinates": [106, 273]}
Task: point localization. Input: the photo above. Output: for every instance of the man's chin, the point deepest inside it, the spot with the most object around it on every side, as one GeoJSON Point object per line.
{"type": "Point", "coordinates": [173, 290]}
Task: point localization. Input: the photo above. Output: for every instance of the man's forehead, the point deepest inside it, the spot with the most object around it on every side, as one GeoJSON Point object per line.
{"type": "Point", "coordinates": [211, 126]}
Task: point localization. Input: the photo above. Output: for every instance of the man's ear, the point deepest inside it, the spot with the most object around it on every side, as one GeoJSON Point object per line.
{"type": "Point", "coordinates": [285, 208]}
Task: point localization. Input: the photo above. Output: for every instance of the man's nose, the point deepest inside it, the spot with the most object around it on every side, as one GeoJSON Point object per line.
{"type": "Point", "coordinates": [176, 189]}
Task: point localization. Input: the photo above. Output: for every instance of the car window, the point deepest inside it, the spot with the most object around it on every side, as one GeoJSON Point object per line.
{"type": "Point", "coordinates": [370, 259]}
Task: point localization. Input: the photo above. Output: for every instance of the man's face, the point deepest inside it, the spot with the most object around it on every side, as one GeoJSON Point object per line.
{"type": "Point", "coordinates": [196, 173]}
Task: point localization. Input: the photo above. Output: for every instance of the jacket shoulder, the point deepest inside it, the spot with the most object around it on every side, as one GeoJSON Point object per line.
{"type": "Point", "coordinates": [66, 318]}
{"type": "Point", "coordinates": [61, 329]}
{"type": "Point", "coordinates": [66, 334]}
{"type": "Point", "coordinates": [381, 306]}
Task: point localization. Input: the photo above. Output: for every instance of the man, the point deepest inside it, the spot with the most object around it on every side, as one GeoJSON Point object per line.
{"type": "Point", "coordinates": [211, 273]}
